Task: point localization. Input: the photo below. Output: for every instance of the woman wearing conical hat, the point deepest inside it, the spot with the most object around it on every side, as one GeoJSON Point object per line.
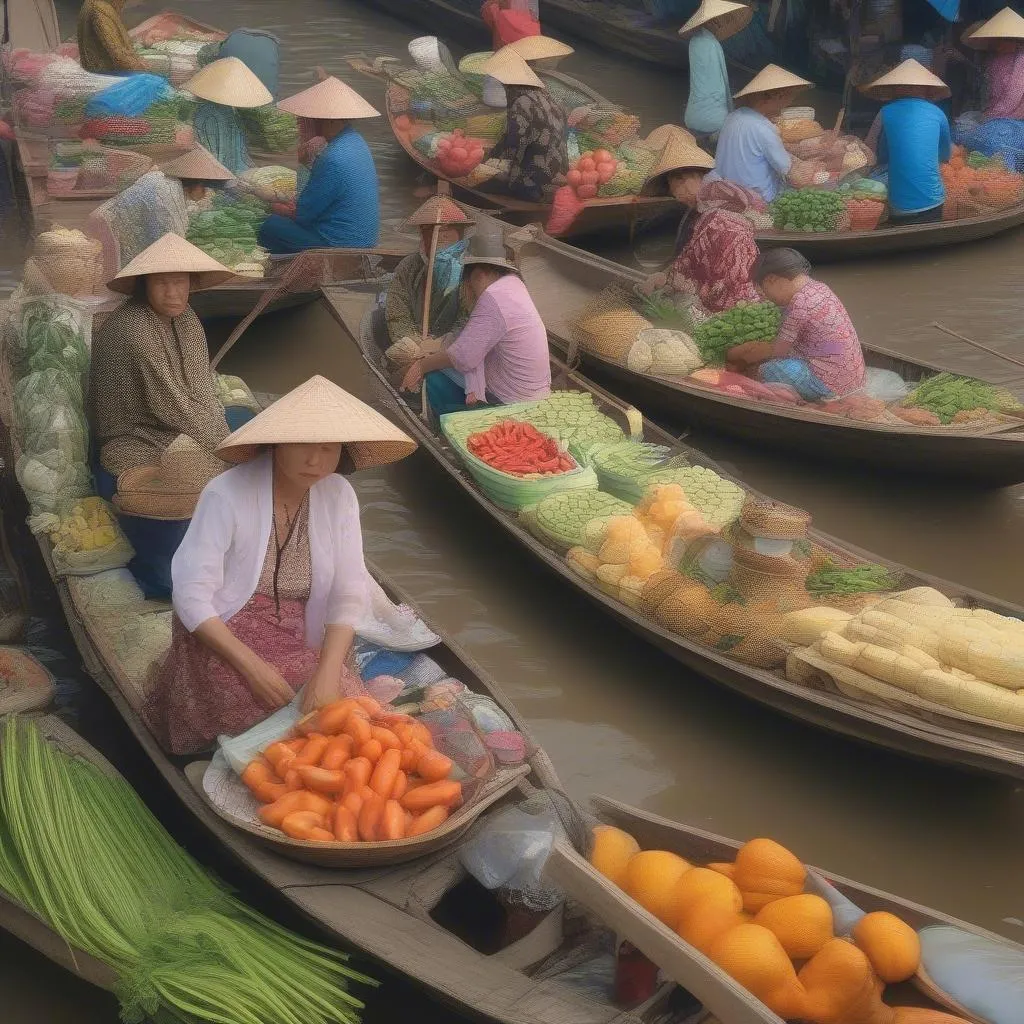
{"type": "Point", "coordinates": [150, 381]}
{"type": "Point", "coordinates": [750, 151]}
{"type": "Point", "coordinates": [270, 585]}
{"type": "Point", "coordinates": [339, 206]}
{"type": "Point", "coordinates": [504, 338]}
{"type": "Point", "coordinates": [709, 100]}
{"type": "Point", "coordinates": [1002, 37]}
{"type": "Point", "coordinates": [199, 172]}
{"type": "Point", "coordinates": [914, 141]}
{"type": "Point", "coordinates": [715, 246]}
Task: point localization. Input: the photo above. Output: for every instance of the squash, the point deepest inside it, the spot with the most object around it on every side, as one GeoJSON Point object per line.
{"type": "Point", "coordinates": [702, 883]}
{"type": "Point", "coordinates": [755, 958]}
{"type": "Point", "coordinates": [657, 588]}
{"type": "Point", "coordinates": [723, 868]}
{"type": "Point", "coordinates": [766, 871]}
{"type": "Point", "coordinates": [802, 924]}
{"type": "Point", "coordinates": [706, 919]}
{"type": "Point", "coordinates": [689, 611]}
{"type": "Point", "coordinates": [808, 625]}
{"type": "Point", "coordinates": [841, 988]}
{"type": "Point", "coordinates": [892, 946]}
{"type": "Point", "coordinates": [611, 851]}
{"type": "Point", "coordinates": [650, 878]}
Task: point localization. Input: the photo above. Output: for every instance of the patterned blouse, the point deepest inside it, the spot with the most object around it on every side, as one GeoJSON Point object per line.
{"type": "Point", "coordinates": [1004, 77]}
{"type": "Point", "coordinates": [817, 329]}
{"type": "Point", "coordinates": [534, 143]}
{"type": "Point", "coordinates": [151, 381]}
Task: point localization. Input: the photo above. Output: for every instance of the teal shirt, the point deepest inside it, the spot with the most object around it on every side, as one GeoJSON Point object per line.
{"type": "Point", "coordinates": [709, 101]}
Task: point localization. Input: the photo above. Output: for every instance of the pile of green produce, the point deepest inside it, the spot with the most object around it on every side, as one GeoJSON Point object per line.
{"type": "Point", "coordinates": [228, 232]}
{"type": "Point", "coordinates": [832, 581]}
{"type": "Point", "coordinates": [80, 850]}
{"type": "Point", "coordinates": [50, 336]}
{"type": "Point", "coordinates": [746, 321]}
{"type": "Point", "coordinates": [863, 188]}
{"type": "Point", "coordinates": [271, 129]}
{"type": "Point", "coordinates": [624, 468]}
{"type": "Point", "coordinates": [946, 394]}
{"type": "Point", "coordinates": [666, 309]}
{"type": "Point", "coordinates": [559, 519]}
{"type": "Point", "coordinates": [807, 209]}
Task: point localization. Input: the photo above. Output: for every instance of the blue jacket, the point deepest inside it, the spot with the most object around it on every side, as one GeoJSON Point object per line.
{"type": "Point", "coordinates": [341, 200]}
{"type": "Point", "coordinates": [710, 100]}
{"type": "Point", "coordinates": [914, 141]}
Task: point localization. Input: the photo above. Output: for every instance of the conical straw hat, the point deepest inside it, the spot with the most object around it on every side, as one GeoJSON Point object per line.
{"type": "Point", "coordinates": [507, 67]}
{"type": "Point", "coordinates": [664, 133]}
{"type": "Point", "coordinates": [681, 155]}
{"type": "Point", "coordinates": [170, 489]}
{"type": "Point", "coordinates": [770, 79]}
{"type": "Point", "coordinates": [171, 254]}
{"type": "Point", "coordinates": [198, 164]}
{"type": "Point", "coordinates": [721, 17]}
{"type": "Point", "coordinates": [909, 73]}
{"type": "Point", "coordinates": [1006, 25]}
{"type": "Point", "coordinates": [437, 210]}
{"type": "Point", "coordinates": [228, 81]}
{"type": "Point", "coordinates": [319, 412]}
{"type": "Point", "coordinates": [540, 48]}
{"type": "Point", "coordinates": [329, 100]}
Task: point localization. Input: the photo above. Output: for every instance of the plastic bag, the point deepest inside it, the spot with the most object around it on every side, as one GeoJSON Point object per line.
{"type": "Point", "coordinates": [52, 481]}
{"type": "Point", "coordinates": [129, 97]}
{"type": "Point", "coordinates": [240, 750]}
{"type": "Point", "coordinates": [885, 385]}
{"type": "Point", "coordinates": [50, 426]}
{"type": "Point", "coordinates": [510, 850]}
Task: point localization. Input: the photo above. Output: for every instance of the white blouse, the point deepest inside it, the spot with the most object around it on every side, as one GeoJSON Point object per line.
{"type": "Point", "coordinates": [216, 569]}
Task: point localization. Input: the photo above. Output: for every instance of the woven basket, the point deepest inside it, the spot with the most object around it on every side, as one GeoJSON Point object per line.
{"type": "Point", "coordinates": [25, 685]}
{"type": "Point", "coordinates": [608, 326]}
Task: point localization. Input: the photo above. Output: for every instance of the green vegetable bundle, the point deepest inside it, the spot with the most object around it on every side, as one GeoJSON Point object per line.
{"type": "Point", "coordinates": [862, 579]}
{"type": "Point", "coordinates": [807, 209]}
{"type": "Point", "coordinates": [271, 129]}
{"type": "Point", "coordinates": [946, 394]}
{"type": "Point", "coordinates": [863, 188]}
{"type": "Point", "coordinates": [665, 311]}
{"type": "Point", "coordinates": [559, 519]}
{"type": "Point", "coordinates": [49, 336]}
{"type": "Point", "coordinates": [80, 850]}
{"type": "Point", "coordinates": [746, 321]}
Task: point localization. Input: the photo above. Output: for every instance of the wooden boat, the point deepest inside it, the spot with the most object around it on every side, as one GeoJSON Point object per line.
{"type": "Point", "coordinates": [932, 734]}
{"type": "Point", "coordinates": [563, 279]}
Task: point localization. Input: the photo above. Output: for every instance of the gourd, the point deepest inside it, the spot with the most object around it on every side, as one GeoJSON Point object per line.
{"type": "Point", "coordinates": [706, 920]}
{"type": "Point", "coordinates": [891, 945]}
{"type": "Point", "coordinates": [651, 877]}
{"type": "Point", "coordinates": [841, 988]}
{"type": "Point", "coordinates": [766, 871]}
{"type": "Point", "coordinates": [802, 924]}
{"type": "Point", "coordinates": [611, 852]}
{"type": "Point", "coordinates": [700, 884]}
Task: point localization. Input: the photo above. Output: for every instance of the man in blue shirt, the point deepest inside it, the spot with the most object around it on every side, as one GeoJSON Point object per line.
{"type": "Point", "coordinates": [914, 141]}
{"type": "Point", "coordinates": [339, 208]}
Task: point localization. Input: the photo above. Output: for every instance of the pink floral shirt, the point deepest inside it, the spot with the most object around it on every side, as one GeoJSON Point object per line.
{"type": "Point", "coordinates": [817, 329]}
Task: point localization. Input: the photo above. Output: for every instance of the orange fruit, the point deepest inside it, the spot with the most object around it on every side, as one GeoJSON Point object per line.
{"type": "Point", "coordinates": [891, 945]}
{"type": "Point", "coordinates": [611, 852]}
{"type": "Point", "coordinates": [705, 920]}
{"type": "Point", "coordinates": [650, 878]}
{"type": "Point", "coordinates": [724, 868]}
{"type": "Point", "coordinates": [766, 871]}
{"type": "Point", "coordinates": [802, 924]}
{"type": "Point", "coordinates": [700, 883]}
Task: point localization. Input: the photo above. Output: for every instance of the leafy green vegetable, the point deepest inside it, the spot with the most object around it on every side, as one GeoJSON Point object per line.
{"type": "Point", "coordinates": [746, 321]}
{"type": "Point", "coordinates": [862, 579]}
{"type": "Point", "coordinates": [946, 394]}
{"type": "Point", "coordinates": [807, 209]}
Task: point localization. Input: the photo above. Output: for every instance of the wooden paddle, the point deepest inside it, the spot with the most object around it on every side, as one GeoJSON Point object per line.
{"type": "Point", "coordinates": [977, 344]}
{"type": "Point", "coordinates": [442, 190]}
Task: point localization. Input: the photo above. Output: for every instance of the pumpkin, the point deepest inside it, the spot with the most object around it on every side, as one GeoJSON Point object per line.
{"type": "Point", "coordinates": [612, 851]}
{"type": "Point", "coordinates": [891, 945]}
{"type": "Point", "coordinates": [802, 924]}
{"type": "Point", "coordinates": [755, 958]}
{"type": "Point", "coordinates": [706, 919]}
{"type": "Point", "coordinates": [841, 988]}
{"type": "Point", "coordinates": [650, 878]}
{"type": "Point", "coordinates": [723, 868]}
{"type": "Point", "coordinates": [766, 871]}
{"type": "Point", "coordinates": [700, 883]}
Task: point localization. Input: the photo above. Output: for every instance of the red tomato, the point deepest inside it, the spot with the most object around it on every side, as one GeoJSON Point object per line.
{"type": "Point", "coordinates": [587, 164]}
{"type": "Point", "coordinates": [574, 178]}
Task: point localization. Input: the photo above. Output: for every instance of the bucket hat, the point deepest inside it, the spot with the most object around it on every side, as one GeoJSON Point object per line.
{"type": "Point", "coordinates": [487, 248]}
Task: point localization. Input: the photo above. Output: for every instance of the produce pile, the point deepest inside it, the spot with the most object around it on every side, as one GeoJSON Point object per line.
{"type": "Point", "coordinates": [520, 449]}
{"type": "Point", "coordinates": [356, 773]}
{"type": "Point", "coordinates": [229, 232]}
{"type": "Point", "coordinates": [87, 539]}
{"type": "Point", "coordinates": [458, 155]}
{"type": "Point", "coordinates": [117, 886]}
{"type": "Point", "coordinates": [787, 936]}
{"type": "Point", "coordinates": [948, 398]}
{"type": "Point", "coordinates": [917, 645]}
{"type": "Point", "coordinates": [807, 209]}
{"type": "Point", "coordinates": [986, 182]}
{"type": "Point", "coordinates": [746, 321]}
{"type": "Point", "coordinates": [594, 169]}
{"type": "Point", "coordinates": [664, 352]}
{"type": "Point", "coordinates": [565, 519]}
{"type": "Point", "coordinates": [270, 129]}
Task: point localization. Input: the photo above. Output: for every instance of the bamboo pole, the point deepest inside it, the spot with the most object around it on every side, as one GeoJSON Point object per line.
{"type": "Point", "coordinates": [977, 344]}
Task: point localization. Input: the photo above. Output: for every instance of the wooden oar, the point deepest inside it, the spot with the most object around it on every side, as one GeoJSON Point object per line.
{"type": "Point", "coordinates": [442, 190]}
{"type": "Point", "coordinates": [977, 344]}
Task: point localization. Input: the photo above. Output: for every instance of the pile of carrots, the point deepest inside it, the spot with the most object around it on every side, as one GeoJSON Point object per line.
{"type": "Point", "coordinates": [992, 185]}
{"type": "Point", "coordinates": [520, 449]}
{"type": "Point", "coordinates": [354, 773]}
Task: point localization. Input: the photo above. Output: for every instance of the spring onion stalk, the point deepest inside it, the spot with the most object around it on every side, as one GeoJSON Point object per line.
{"type": "Point", "coordinates": [80, 849]}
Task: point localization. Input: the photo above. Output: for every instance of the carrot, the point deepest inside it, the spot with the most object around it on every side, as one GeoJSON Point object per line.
{"type": "Point", "coordinates": [353, 801]}
{"type": "Point", "coordinates": [338, 751]}
{"type": "Point", "coordinates": [427, 821]}
{"type": "Point", "coordinates": [409, 757]}
{"type": "Point", "coordinates": [434, 766]}
{"type": "Point", "coordinates": [359, 770]}
{"type": "Point", "coordinates": [423, 734]}
{"type": "Point", "coordinates": [369, 818]}
{"type": "Point", "coordinates": [314, 749]}
{"type": "Point", "coordinates": [298, 800]}
{"type": "Point", "coordinates": [358, 728]}
{"type": "Point", "coordinates": [307, 724]}
{"type": "Point", "coordinates": [278, 752]}
{"type": "Point", "coordinates": [299, 824]}
{"type": "Point", "coordinates": [320, 835]}
{"type": "Point", "coordinates": [382, 781]}
{"type": "Point", "coordinates": [403, 730]}
{"type": "Point", "coordinates": [371, 705]}
{"type": "Point", "coordinates": [392, 822]}
{"type": "Point", "coordinates": [320, 780]}
{"type": "Point", "coordinates": [422, 798]}
{"type": "Point", "coordinates": [331, 718]}
{"type": "Point", "coordinates": [400, 786]}
{"type": "Point", "coordinates": [346, 827]}
{"type": "Point", "coordinates": [385, 737]}
{"type": "Point", "coordinates": [268, 792]}
{"type": "Point", "coordinates": [371, 750]}
{"type": "Point", "coordinates": [257, 772]}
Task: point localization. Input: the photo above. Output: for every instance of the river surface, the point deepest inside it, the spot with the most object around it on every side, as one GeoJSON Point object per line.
{"type": "Point", "coordinates": [616, 716]}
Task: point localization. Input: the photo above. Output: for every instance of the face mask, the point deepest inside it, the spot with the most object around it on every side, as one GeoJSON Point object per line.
{"type": "Point", "coordinates": [448, 266]}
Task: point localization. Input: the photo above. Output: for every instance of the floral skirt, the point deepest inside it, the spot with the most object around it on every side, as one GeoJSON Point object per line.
{"type": "Point", "coordinates": [197, 695]}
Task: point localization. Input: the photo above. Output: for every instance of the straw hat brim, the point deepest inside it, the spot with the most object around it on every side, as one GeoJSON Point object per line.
{"type": "Point", "coordinates": [908, 75]}
{"type": "Point", "coordinates": [229, 81]}
{"type": "Point", "coordinates": [1006, 26]}
{"type": "Point", "coordinates": [508, 68]}
{"type": "Point", "coordinates": [197, 164]}
{"type": "Point", "coordinates": [680, 157]}
{"type": "Point", "coordinates": [773, 79]}
{"type": "Point", "coordinates": [721, 18]}
{"type": "Point", "coordinates": [329, 100]}
{"type": "Point", "coordinates": [319, 412]}
{"type": "Point", "coordinates": [540, 48]}
{"type": "Point", "coordinates": [172, 254]}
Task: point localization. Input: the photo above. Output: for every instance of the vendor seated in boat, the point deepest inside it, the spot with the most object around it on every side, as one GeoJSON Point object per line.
{"type": "Point", "coordinates": [269, 582]}
{"type": "Point", "coordinates": [339, 206]}
{"type": "Point", "coordinates": [199, 172]}
{"type": "Point", "coordinates": [104, 45]}
{"type": "Point", "coordinates": [505, 338]}
{"type": "Point", "coordinates": [817, 351]}
{"type": "Point", "coordinates": [534, 144]}
{"type": "Point", "coordinates": [1003, 37]}
{"type": "Point", "coordinates": [914, 141]}
{"type": "Point", "coordinates": [709, 102]}
{"type": "Point", "coordinates": [715, 245]}
{"type": "Point", "coordinates": [750, 150]}
{"type": "Point", "coordinates": [510, 20]}
{"type": "Point", "coordinates": [151, 382]}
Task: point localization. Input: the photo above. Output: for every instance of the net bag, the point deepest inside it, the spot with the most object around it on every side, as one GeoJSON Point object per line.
{"type": "Point", "coordinates": [69, 261]}
{"type": "Point", "coordinates": [90, 169]}
{"type": "Point", "coordinates": [608, 326]}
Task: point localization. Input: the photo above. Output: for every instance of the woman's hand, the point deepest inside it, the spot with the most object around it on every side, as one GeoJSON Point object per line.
{"type": "Point", "coordinates": [322, 688]}
{"type": "Point", "coordinates": [267, 684]}
{"type": "Point", "coordinates": [413, 377]}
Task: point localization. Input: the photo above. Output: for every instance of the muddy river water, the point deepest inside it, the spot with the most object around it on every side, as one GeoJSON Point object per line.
{"type": "Point", "coordinates": [616, 716]}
